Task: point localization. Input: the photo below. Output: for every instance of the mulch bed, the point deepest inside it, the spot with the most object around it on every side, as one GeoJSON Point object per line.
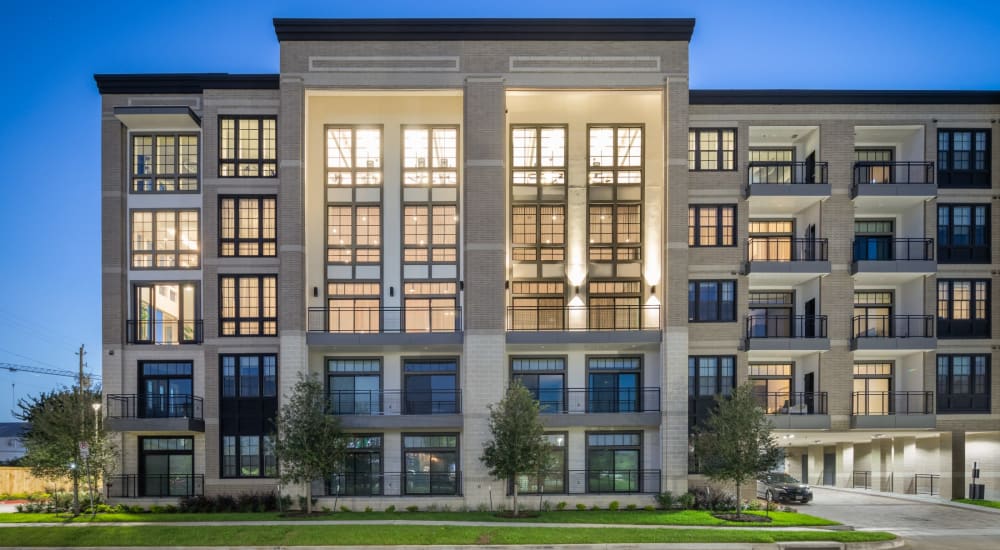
{"type": "Point", "coordinates": [743, 518]}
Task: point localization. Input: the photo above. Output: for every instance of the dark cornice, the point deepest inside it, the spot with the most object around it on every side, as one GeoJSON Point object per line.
{"type": "Point", "coordinates": [182, 83]}
{"type": "Point", "coordinates": [550, 30]}
{"type": "Point", "coordinates": [843, 97]}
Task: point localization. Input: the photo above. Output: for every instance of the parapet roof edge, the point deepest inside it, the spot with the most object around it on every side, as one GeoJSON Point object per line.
{"type": "Point", "coordinates": [844, 97]}
{"type": "Point", "coordinates": [182, 83]}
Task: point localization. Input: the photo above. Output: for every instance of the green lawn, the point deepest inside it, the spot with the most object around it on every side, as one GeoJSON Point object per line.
{"type": "Point", "coordinates": [986, 503]}
{"type": "Point", "coordinates": [637, 517]}
{"type": "Point", "coordinates": [351, 535]}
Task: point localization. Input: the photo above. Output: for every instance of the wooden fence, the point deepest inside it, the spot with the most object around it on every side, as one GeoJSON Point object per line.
{"type": "Point", "coordinates": [19, 480]}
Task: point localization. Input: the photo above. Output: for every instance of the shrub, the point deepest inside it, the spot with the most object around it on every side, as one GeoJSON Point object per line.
{"type": "Point", "coordinates": [244, 502]}
{"type": "Point", "coordinates": [546, 506]}
{"type": "Point", "coordinates": [595, 507]}
{"type": "Point", "coordinates": [445, 508]}
{"type": "Point", "coordinates": [344, 508]}
{"type": "Point", "coordinates": [482, 507]}
{"type": "Point", "coordinates": [390, 508]}
{"type": "Point", "coordinates": [368, 509]}
{"type": "Point", "coordinates": [412, 508]}
{"type": "Point", "coordinates": [581, 506]}
{"type": "Point", "coordinates": [649, 508]}
{"type": "Point", "coordinates": [432, 508]}
{"type": "Point", "coordinates": [613, 505]}
{"type": "Point", "coordinates": [135, 509]}
{"type": "Point", "coordinates": [714, 501]}
{"type": "Point", "coordinates": [686, 501]}
{"type": "Point", "coordinates": [561, 505]}
{"type": "Point", "coordinates": [156, 509]}
{"type": "Point", "coordinates": [631, 507]}
{"type": "Point", "coordinates": [170, 509]}
{"type": "Point", "coordinates": [666, 500]}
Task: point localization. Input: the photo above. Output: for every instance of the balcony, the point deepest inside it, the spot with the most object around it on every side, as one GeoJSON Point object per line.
{"type": "Point", "coordinates": [360, 325]}
{"type": "Point", "coordinates": [891, 260]}
{"type": "Point", "coordinates": [603, 407]}
{"type": "Point", "coordinates": [155, 486]}
{"type": "Point", "coordinates": [899, 409]}
{"type": "Point", "coordinates": [786, 260]}
{"type": "Point", "coordinates": [397, 408]}
{"type": "Point", "coordinates": [786, 332]}
{"type": "Point", "coordinates": [880, 179]}
{"type": "Point", "coordinates": [796, 410]}
{"type": "Point", "coordinates": [581, 324]}
{"type": "Point", "coordinates": [797, 184]}
{"type": "Point", "coordinates": [392, 484]}
{"type": "Point", "coordinates": [154, 413]}
{"type": "Point", "coordinates": [889, 332]}
{"type": "Point", "coordinates": [164, 333]}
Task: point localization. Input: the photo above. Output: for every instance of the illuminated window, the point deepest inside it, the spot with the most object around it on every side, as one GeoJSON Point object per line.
{"type": "Point", "coordinates": [614, 232]}
{"type": "Point", "coordinates": [353, 234]}
{"type": "Point", "coordinates": [165, 313]}
{"type": "Point", "coordinates": [430, 234]}
{"type": "Point", "coordinates": [247, 226]}
{"type": "Point", "coordinates": [614, 305]}
{"type": "Point", "coordinates": [538, 155]}
{"type": "Point", "coordinates": [770, 240]}
{"type": "Point", "coordinates": [430, 306]}
{"type": "Point", "coordinates": [963, 308]}
{"type": "Point", "coordinates": [430, 156]}
{"type": "Point", "coordinates": [353, 156]}
{"type": "Point", "coordinates": [615, 155]}
{"type": "Point", "coordinates": [165, 163]}
{"type": "Point", "coordinates": [538, 233]}
{"type": "Point", "coordinates": [247, 146]}
{"type": "Point", "coordinates": [248, 305]}
{"type": "Point", "coordinates": [711, 149]}
{"type": "Point", "coordinates": [538, 305]}
{"type": "Point", "coordinates": [165, 239]}
{"type": "Point", "coordinates": [354, 307]}
{"type": "Point", "coordinates": [711, 225]}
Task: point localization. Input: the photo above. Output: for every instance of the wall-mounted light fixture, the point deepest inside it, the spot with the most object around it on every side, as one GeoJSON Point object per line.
{"type": "Point", "coordinates": [315, 291]}
{"type": "Point", "coordinates": [652, 289]}
{"type": "Point", "coordinates": [392, 291]}
{"type": "Point", "coordinates": [506, 285]}
{"type": "Point", "coordinates": [461, 285]}
{"type": "Point", "coordinates": [578, 290]}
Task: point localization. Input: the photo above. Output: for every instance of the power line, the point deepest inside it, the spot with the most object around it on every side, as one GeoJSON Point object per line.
{"type": "Point", "coordinates": [13, 367]}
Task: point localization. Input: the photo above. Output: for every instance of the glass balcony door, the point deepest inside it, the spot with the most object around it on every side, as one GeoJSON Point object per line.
{"type": "Point", "coordinates": [872, 396]}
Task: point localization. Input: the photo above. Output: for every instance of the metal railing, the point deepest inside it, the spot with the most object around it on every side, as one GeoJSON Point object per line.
{"type": "Point", "coordinates": [786, 249]}
{"type": "Point", "coordinates": [154, 406]}
{"type": "Point", "coordinates": [888, 483]}
{"type": "Point", "coordinates": [885, 249]}
{"type": "Point", "coordinates": [164, 332]}
{"type": "Point", "coordinates": [786, 326]}
{"type": "Point", "coordinates": [780, 172]}
{"type": "Point", "coordinates": [583, 318]}
{"type": "Point", "coordinates": [155, 485]}
{"type": "Point", "coordinates": [394, 484]}
{"type": "Point", "coordinates": [874, 172]}
{"type": "Point", "coordinates": [861, 479]}
{"type": "Point", "coordinates": [608, 481]}
{"type": "Point", "coordinates": [924, 484]}
{"type": "Point", "coordinates": [394, 402]}
{"type": "Point", "coordinates": [384, 320]}
{"type": "Point", "coordinates": [881, 403]}
{"type": "Point", "coordinates": [893, 326]}
{"type": "Point", "coordinates": [597, 400]}
{"type": "Point", "coordinates": [794, 403]}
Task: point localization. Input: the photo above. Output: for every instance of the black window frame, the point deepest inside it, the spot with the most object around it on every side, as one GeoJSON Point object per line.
{"type": "Point", "coordinates": [591, 472]}
{"type": "Point", "coordinates": [971, 402]}
{"type": "Point", "coordinates": [597, 405]}
{"type": "Point", "coordinates": [949, 177]}
{"type": "Point", "coordinates": [261, 320]}
{"type": "Point", "coordinates": [260, 161]}
{"type": "Point", "coordinates": [519, 374]}
{"type": "Point", "coordinates": [563, 475]}
{"type": "Point", "coordinates": [694, 301]}
{"type": "Point", "coordinates": [948, 252]}
{"type": "Point", "coordinates": [694, 155]}
{"type": "Point", "coordinates": [262, 387]}
{"type": "Point", "coordinates": [457, 449]}
{"type": "Point", "coordinates": [695, 225]}
{"type": "Point", "coordinates": [177, 252]}
{"type": "Point", "coordinates": [972, 327]}
{"type": "Point", "coordinates": [261, 240]}
{"type": "Point", "coordinates": [376, 481]}
{"type": "Point", "coordinates": [408, 408]}
{"type": "Point", "coordinates": [176, 176]}
{"type": "Point", "coordinates": [335, 403]}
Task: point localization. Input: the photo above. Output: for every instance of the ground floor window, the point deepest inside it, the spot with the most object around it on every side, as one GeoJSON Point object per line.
{"type": "Point", "coordinates": [166, 466]}
{"type": "Point", "coordinates": [248, 456]}
{"type": "Point", "coordinates": [553, 480]}
{"type": "Point", "coordinates": [614, 462]}
{"type": "Point", "coordinates": [362, 473]}
{"type": "Point", "coordinates": [431, 464]}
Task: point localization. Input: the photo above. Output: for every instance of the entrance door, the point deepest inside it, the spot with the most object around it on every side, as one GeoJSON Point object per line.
{"type": "Point", "coordinates": [809, 387]}
{"type": "Point", "coordinates": [829, 469]}
{"type": "Point", "coordinates": [810, 318]}
{"type": "Point", "coordinates": [166, 467]}
{"type": "Point", "coordinates": [872, 396]}
{"type": "Point", "coordinates": [811, 167]}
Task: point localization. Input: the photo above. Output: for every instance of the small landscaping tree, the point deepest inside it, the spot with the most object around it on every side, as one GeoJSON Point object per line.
{"type": "Point", "coordinates": [518, 445]}
{"type": "Point", "coordinates": [735, 442]}
{"type": "Point", "coordinates": [309, 444]}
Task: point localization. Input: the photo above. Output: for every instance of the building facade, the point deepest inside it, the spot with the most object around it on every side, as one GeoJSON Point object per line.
{"type": "Point", "coordinates": [419, 212]}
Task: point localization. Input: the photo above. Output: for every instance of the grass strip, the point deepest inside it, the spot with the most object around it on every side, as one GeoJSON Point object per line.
{"type": "Point", "coordinates": [986, 503]}
{"type": "Point", "coordinates": [352, 535]}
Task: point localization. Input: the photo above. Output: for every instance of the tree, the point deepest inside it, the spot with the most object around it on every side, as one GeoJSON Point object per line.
{"type": "Point", "coordinates": [58, 422]}
{"type": "Point", "coordinates": [518, 445]}
{"type": "Point", "coordinates": [310, 444]}
{"type": "Point", "coordinates": [735, 443]}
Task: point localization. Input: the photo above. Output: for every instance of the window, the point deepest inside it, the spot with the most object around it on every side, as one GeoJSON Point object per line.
{"type": "Point", "coordinates": [353, 156]}
{"type": "Point", "coordinates": [616, 305]}
{"type": "Point", "coordinates": [430, 234]}
{"type": "Point", "coordinates": [615, 232]}
{"type": "Point", "coordinates": [165, 163]}
{"type": "Point", "coordinates": [538, 305]}
{"type": "Point", "coordinates": [353, 234]}
{"type": "Point", "coordinates": [166, 467]}
{"type": "Point", "coordinates": [711, 225]}
{"type": "Point", "coordinates": [538, 155]}
{"type": "Point", "coordinates": [710, 375]}
{"type": "Point", "coordinates": [165, 239]}
{"type": "Point", "coordinates": [553, 480]}
{"type": "Point", "coordinates": [165, 390]}
{"type": "Point", "coordinates": [964, 158]}
{"type": "Point", "coordinates": [248, 305]}
{"type": "Point", "coordinates": [432, 466]}
{"type": "Point", "coordinates": [872, 385]}
{"type": "Point", "coordinates": [355, 386]}
{"type": "Point", "coordinates": [963, 308]}
{"type": "Point", "coordinates": [772, 386]}
{"type": "Point", "coordinates": [873, 240]}
{"type": "Point", "coordinates": [545, 378]}
{"type": "Point", "coordinates": [538, 233]}
{"type": "Point", "coordinates": [165, 313]}
{"type": "Point", "coordinates": [247, 146]}
{"type": "Point", "coordinates": [430, 386]}
{"type": "Point", "coordinates": [873, 165]}
{"type": "Point", "coordinates": [711, 149]}
{"type": "Point", "coordinates": [430, 306]}
{"type": "Point", "coordinates": [614, 384]}
{"type": "Point", "coordinates": [249, 375]}
{"type": "Point", "coordinates": [771, 241]}
{"type": "Point", "coordinates": [616, 156]}
{"type": "Point", "coordinates": [247, 226]}
{"type": "Point", "coordinates": [772, 166]}
{"type": "Point", "coordinates": [873, 314]}
{"type": "Point", "coordinates": [614, 462]}
{"type": "Point", "coordinates": [362, 471]}
{"type": "Point", "coordinates": [430, 156]}
{"type": "Point", "coordinates": [248, 456]}
{"type": "Point", "coordinates": [963, 383]}
{"type": "Point", "coordinates": [711, 301]}
{"type": "Point", "coordinates": [963, 233]}
{"type": "Point", "coordinates": [354, 307]}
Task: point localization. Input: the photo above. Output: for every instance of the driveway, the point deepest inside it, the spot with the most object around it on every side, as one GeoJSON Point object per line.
{"type": "Point", "coordinates": [924, 524]}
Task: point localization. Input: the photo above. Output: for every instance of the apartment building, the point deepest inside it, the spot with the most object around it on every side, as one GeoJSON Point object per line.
{"type": "Point", "coordinates": [419, 212]}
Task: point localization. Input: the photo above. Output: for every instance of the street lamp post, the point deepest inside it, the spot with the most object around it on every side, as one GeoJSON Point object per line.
{"type": "Point", "coordinates": [90, 473]}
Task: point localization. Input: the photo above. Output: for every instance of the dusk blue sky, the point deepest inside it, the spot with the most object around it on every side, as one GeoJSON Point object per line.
{"type": "Point", "coordinates": [50, 209]}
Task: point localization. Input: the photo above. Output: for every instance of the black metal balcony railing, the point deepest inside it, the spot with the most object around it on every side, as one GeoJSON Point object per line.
{"type": "Point", "coordinates": [394, 402]}
{"type": "Point", "coordinates": [786, 249]}
{"type": "Point", "coordinates": [154, 406]}
{"type": "Point", "coordinates": [884, 249]}
{"type": "Point", "coordinates": [155, 485]}
{"type": "Point", "coordinates": [364, 484]}
{"type": "Point", "coordinates": [597, 400]}
{"type": "Point", "coordinates": [611, 480]}
{"type": "Point", "coordinates": [583, 318]}
{"type": "Point", "coordinates": [796, 403]}
{"type": "Point", "coordinates": [778, 172]}
{"type": "Point", "coordinates": [963, 403]}
{"type": "Point", "coordinates": [385, 320]}
{"type": "Point", "coordinates": [164, 332]}
{"type": "Point", "coordinates": [882, 403]}
{"type": "Point", "coordinates": [786, 326]}
{"type": "Point", "coordinates": [877, 172]}
{"type": "Point", "coordinates": [893, 326]}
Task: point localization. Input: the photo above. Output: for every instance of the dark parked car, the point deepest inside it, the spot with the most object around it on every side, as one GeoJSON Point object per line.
{"type": "Point", "coordinates": [780, 487]}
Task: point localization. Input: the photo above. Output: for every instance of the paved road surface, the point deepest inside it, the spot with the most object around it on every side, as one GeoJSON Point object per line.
{"type": "Point", "coordinates": [925, 525]}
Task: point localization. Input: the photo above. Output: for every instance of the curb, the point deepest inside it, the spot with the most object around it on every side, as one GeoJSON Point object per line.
{"type": "Point", "coordinates": [911, 498]}
{"type": "Point", "coordinates": [811, 545]}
